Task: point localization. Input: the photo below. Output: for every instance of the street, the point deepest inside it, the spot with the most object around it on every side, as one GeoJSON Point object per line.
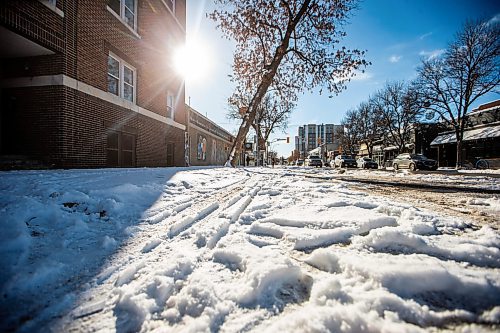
{"type": "Point", "coordinates": [248, 249]}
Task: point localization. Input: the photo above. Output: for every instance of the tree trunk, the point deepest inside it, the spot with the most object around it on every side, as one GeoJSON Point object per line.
{"type": "Point", "coordinates": [266, 81]}
{"type": "Point", "coordinates": [247, 122]}
{"type": "Point", "coordinates": [459, 154]}
{"type": "Point", "coordinates": [369, 147]}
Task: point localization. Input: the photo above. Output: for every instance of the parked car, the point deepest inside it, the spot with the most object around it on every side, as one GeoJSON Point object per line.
{"type": "Point", "coordinates": [314, 160]}
{"type": "Point", "coordinates": [345, 161]}
{"type": "Point", "coordinates": [366, 163]}
{"type": "Point", "coordinates": [299, 163]}
{"type": "Point", "coordinates": [414, 162]}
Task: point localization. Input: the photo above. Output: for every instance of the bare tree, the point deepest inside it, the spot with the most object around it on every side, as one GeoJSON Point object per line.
{"type": "Point", "coordinates": [398, 106]}
{"type": "Point", "coordinates": [272, 113]}
{"type": "Point", "coordinates": [368, 124]}
{"type": "Point", "coordinates": [468, 70]}
{"type": "Point", "coordinates": [351, 135]}
{"type": "Point", "coordinates": [289, 45]}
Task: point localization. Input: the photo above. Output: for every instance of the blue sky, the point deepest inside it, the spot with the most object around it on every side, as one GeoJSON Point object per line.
{"type": "Point", "coordinates": [396, 33]}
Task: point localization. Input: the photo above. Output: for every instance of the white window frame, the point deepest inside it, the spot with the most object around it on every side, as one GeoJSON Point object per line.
{"type": "Point", "coordinates": [170, 99]}
{"type": "Point", "coordinates": [121, 14]}
{"type": "Point", "coordinates": [114, 76]}
{"type": "Point", "coordinates": [121, 78]}
{"type": "Point", "coordinates": [166, 2]}
{"type": "Point", "coordinates": [52, 5]}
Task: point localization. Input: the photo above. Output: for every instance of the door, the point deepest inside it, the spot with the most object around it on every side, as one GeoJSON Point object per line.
{"type": "Point", "coordinates": [120, 149]}
{"type": "Point", "coordinates": [170, 154]}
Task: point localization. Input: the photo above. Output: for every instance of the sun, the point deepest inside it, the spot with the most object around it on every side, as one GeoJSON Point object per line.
{"type": "Point", "coordinates": [193, 61]}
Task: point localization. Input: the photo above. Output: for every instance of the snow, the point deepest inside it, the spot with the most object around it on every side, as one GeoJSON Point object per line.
{"type": "Point", "coordinates": [241, 249]}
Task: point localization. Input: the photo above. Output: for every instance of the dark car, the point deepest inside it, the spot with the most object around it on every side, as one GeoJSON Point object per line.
{"type": "Point", "coordinates": [414, 162]}
{"type": "Point", "coordinates": [299, 163]}
{"type": "Point", "coordinates": [345, 161]}
{"type": "Point", "coordinates": [314, 160]}
{"type": "Point", "coordinates": [366, 163]}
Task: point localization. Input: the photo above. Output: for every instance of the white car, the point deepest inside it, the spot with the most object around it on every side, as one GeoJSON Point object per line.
{"type": "Point", "coordinates": [314, 160]}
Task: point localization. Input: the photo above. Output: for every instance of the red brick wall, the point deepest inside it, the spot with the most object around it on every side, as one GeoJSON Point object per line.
{"type": "Point", "coordinates": [35, 21]}
{"type": "Point", "coordinates": [67, 128]}
{"type": "Point", "coordinates": [84, 144]}
{"type": "Point", "coordinates": [33, 114]}
{"type": "Point", "coordinates": [33, 66]}
{"type": "Point", "coordinates": [100, 32]}
{"type": "Point", "coordinates": [73, 133]}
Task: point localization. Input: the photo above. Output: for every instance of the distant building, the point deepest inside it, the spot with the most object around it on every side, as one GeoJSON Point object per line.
{"type": "Point", "coordinates": [418, 142]}
{"type": "Point", "coordinates": [312, 136]}
{"type": "Point", "coordinates": [206, 142]}
{"type": "Point", "coordinates": [481, 137]}
{"type": "Point", "coordinates": [89, 84]}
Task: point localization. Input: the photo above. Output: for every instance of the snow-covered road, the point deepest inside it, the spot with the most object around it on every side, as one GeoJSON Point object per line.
{"type": "Point", "coordinates": [237, 250]}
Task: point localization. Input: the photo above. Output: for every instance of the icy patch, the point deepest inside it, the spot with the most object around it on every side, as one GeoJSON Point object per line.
{"type": "Point", "coordinates": [365, 205]}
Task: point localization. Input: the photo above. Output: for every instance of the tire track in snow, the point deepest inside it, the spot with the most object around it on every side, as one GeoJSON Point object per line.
{"type": "Point", "coordinates": [231, 212]}
{"type": "Point", "coordinates": [209, 231]}
{"type": "Point", "coordinates": [203, 209]}
{"type": "Point", "coordinates": [99, 305]}
{"type": "Point", "coordinates": [189, 220]}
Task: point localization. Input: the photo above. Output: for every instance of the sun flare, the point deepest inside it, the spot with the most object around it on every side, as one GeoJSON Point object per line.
{"type": "Point", "coordinates": [192, 61]}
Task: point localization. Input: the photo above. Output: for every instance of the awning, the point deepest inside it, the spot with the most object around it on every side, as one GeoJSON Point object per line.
{"type": "Point", "coordinates": [469, 135]}
{"type": "Point", "coordinates": [408, 145]}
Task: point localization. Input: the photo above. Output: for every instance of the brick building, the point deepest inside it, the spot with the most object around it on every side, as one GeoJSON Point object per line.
{"type": "Point", "coordinates": [90, 83]}
{"type": "Point", "coordinates": [481, 138]}
{"type": "Point", "coordinates": [209, 144]}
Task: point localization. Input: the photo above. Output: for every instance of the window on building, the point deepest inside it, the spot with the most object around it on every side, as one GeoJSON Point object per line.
{"type": "Point", "coordinates": [128, 83]}
{"type": "Point", "coordinates": [126, 10]}
{"type": "Point", "coordinates": [120, 149]}
{"type": "Point", "coordinates": [170, 105]}
{"type": "Point", "coordinates": [170, 4]}
{"type": "Point", "coordinates": [121, 78]}
{"type": "Point", "coordinates": [113, 76]}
